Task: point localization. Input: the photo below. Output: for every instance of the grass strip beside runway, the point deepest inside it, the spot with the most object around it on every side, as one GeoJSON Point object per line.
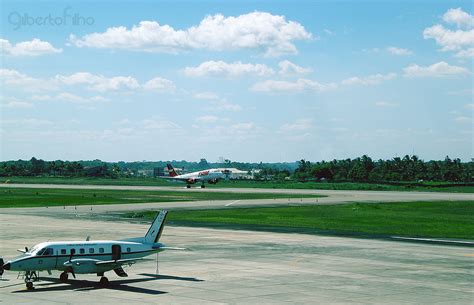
{"type": "Point", "coordinates": [31, 197]}
{"type": "Point", "coordinates": [446, 219]}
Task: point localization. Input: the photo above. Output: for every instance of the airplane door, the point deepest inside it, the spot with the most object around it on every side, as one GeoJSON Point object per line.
{"type": "Point", "coordinates": [116, 252]}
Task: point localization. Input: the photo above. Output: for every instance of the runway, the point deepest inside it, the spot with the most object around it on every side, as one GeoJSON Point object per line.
{"type": "Point", "coordinates": [243, 267]}
{"type": "Point", "coordinates": [333, 197]}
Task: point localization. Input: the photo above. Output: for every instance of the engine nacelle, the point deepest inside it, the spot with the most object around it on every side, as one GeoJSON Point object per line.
{"type": "Point", "coordinates": [191, 181]}
{"type": "Point", "coordinates": [83, 266]}
{"type": "Point", "coordinates": [213, 181]}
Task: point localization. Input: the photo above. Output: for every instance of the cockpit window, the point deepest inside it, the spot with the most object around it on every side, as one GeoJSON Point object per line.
{"type": "Point", "coordinates": [47, 251]}
{"type": "Point", "coordinates": [41, 251]}
{"type": "Point", "coordinates": [32, 249]}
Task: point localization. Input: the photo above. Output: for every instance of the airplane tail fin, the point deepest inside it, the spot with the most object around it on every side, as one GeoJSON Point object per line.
{"type": "Point", "coordinates": [154, 233]}
{"type": "Point", "coordinates": [171, 170]}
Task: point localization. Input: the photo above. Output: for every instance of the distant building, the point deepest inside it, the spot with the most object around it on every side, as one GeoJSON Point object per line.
{"type": "Point", "coordinates": [158, 172]}
{"type": "Point", "coordinates": [236, 173]}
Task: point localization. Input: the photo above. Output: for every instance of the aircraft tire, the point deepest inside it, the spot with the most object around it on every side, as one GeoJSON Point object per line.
{"type": "Point", "coordinates": [63, 277]}
{"type": "Point", "coordinates": [29, 285]}
{"type": "Point", "coordinates": [104, 282]}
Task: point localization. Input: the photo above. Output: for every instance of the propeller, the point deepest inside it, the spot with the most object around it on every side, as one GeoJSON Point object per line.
{"type": "Point", "coordinates": [1, 266]}
{"type": "Point", "coordinates": [70, 263]}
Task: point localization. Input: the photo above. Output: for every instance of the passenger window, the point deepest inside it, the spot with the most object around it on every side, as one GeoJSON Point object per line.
{"type": "Point", "coordinates": [91, 250]}
{"type": "Point", "coordinates": [63, 251]}
{"type": "Point", "coordinates": [128, 250]}
{"type": "Point", "coordinates": [73, 251]}
{"type": "Point", "coordinates": [82, 251]}
{"type": "Point", "coordinates": [101, 250]}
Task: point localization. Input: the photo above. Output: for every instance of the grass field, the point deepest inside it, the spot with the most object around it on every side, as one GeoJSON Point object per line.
{"type": "Point", "coordinates": [31, 197]}
{"type": "Point", "coordinates": [447, 219]}
{"type": "Point", "coordinates": [427, 187]}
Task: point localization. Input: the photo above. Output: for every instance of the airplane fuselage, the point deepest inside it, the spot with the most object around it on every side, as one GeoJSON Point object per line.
{"type": "Point", "coordinates": [85, 255]}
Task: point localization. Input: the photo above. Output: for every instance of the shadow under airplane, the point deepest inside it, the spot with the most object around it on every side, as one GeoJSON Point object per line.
{"type": "Point", "coordinates": [55, 284]}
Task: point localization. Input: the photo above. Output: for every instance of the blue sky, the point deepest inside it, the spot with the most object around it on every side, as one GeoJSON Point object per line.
{"type": "Point", "coordinates": [250, 81]}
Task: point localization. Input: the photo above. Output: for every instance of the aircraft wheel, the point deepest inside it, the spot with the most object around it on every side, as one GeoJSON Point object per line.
{"type": "Point", "coordinates": [29, 285]}
{"type": "Point", "coordinates": [104, 282]}
{"type": "Point", "coordinates": [203, 186]}
{"type": "Point", "coordinates": [63, 277]}
{"type": "Point", "coordinates": [188, 186]}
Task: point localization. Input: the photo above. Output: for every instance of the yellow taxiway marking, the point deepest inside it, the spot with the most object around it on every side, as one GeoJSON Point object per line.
{"type": "Point", "coordinates": [469, 254]}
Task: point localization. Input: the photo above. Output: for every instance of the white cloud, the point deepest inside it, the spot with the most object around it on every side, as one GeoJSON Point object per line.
{"type": "Point", "coordinates": [468, 53]}
{"type": "Point", "coordinates": [301, 84]}
{"type": "Point", "coordinates": [289, 68]}
{"type": "Point", "coordinates": [160, 84]}
{"type": "Point", "coordinates": [459, 17]}
{"type": "Point", "coordinates": [223, 105]}
{"type": "Point", "coordinates": [223, 69]}
{"type": "Point", "coordinates": [99, 82]}
{"type": "Point", "coordinates": [206, 96]}
{"type": "Point", "coordinates": [470, 106]}
{"type": "Point", "coordinates": [374, 79]}
{"type": "Point", "coordinates": [217, 103]}
{"type": "Point", "coordinates": [207, 119]}
{"type": "Point", "coordinates": [385, 104]}
{"type": "Point", "coordinates": [298, 125]}
{"type": "Point", "coordinates": [399, 51]}
{"type": "Point", "coordinates": [439, 69]}
{"type": "Point", "coordinates": [258, 30]}
{"type": "Point", "coordinates": [17, 104]}
{"type": "Point", "coordinates": [71, 98]}
{"type": "Point", "coordinates": [27, 122]}
{"type": "Point", "coordinates": [328, 32]}
{"type": "Point", "coordinates": [449, 40]}
{"type": "Point", "coordinates": [85, 79]}
{"type": "Point", "coordinates": [35, 47]}
{"type": "Point", "coordinates": [461, 39]}
{"type": "Point", "coordinates": [14, 78]}
{"type": "Point", "coordinates": [463, 119]}
{"type": "Point", "coordinates": [158, 124]}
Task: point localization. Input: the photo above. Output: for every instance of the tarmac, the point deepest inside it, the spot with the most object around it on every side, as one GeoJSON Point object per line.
{"type": "Point", "coordinates": [244, 267]}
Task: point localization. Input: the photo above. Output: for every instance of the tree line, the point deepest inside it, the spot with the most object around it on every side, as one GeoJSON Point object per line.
{"type": "Point", "coordinates": [362, 169]}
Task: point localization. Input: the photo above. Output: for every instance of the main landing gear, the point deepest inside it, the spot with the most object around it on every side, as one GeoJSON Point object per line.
{"type": "Point", "coordinates": [104, 282]}
{"type": "Point", "coordinates": [30, 277]}
{"type": "Point", "coordinates": [203, 186]}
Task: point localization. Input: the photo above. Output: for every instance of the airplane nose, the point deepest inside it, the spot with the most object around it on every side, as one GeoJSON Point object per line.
{"type": "Point", "coordinates": [7, 266]}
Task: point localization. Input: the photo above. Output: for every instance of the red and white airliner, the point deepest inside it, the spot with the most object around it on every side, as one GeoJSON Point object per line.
{"type": "Point", "coordinates": [211, 176]}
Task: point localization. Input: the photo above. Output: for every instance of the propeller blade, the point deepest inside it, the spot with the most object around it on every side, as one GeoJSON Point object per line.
{"type": "Point", "coordinates": [1, 266]}
{"type": "Point", "coordinates": [72, 253]}
{"type": "Point", "coordinates": [72, 272]}
{"type": "Point", "coordinates": [26, 249]}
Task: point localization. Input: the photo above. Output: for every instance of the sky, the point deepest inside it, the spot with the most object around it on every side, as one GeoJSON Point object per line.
{"type": "Point", "coordinates": [271, 81]}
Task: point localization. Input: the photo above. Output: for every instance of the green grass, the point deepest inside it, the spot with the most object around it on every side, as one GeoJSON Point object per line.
{"type": "Point", "coordinates": [446, 219]}
{"type": "Point", "coordinates": [427, 187]}
{"type": "Point", "coordinates": [31, 197]}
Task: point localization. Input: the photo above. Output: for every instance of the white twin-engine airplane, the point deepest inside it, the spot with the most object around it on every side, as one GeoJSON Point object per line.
{"type": "Point", "coordinates": [211, 176]}
{"type": "Point", "coordinates": [81, 257]}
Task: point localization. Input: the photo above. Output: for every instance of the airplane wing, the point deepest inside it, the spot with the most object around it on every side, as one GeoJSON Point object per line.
{"type": "Point", "coordinates": [118, 262]}
{"type": "Point", "coordinates": [190, 180]}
